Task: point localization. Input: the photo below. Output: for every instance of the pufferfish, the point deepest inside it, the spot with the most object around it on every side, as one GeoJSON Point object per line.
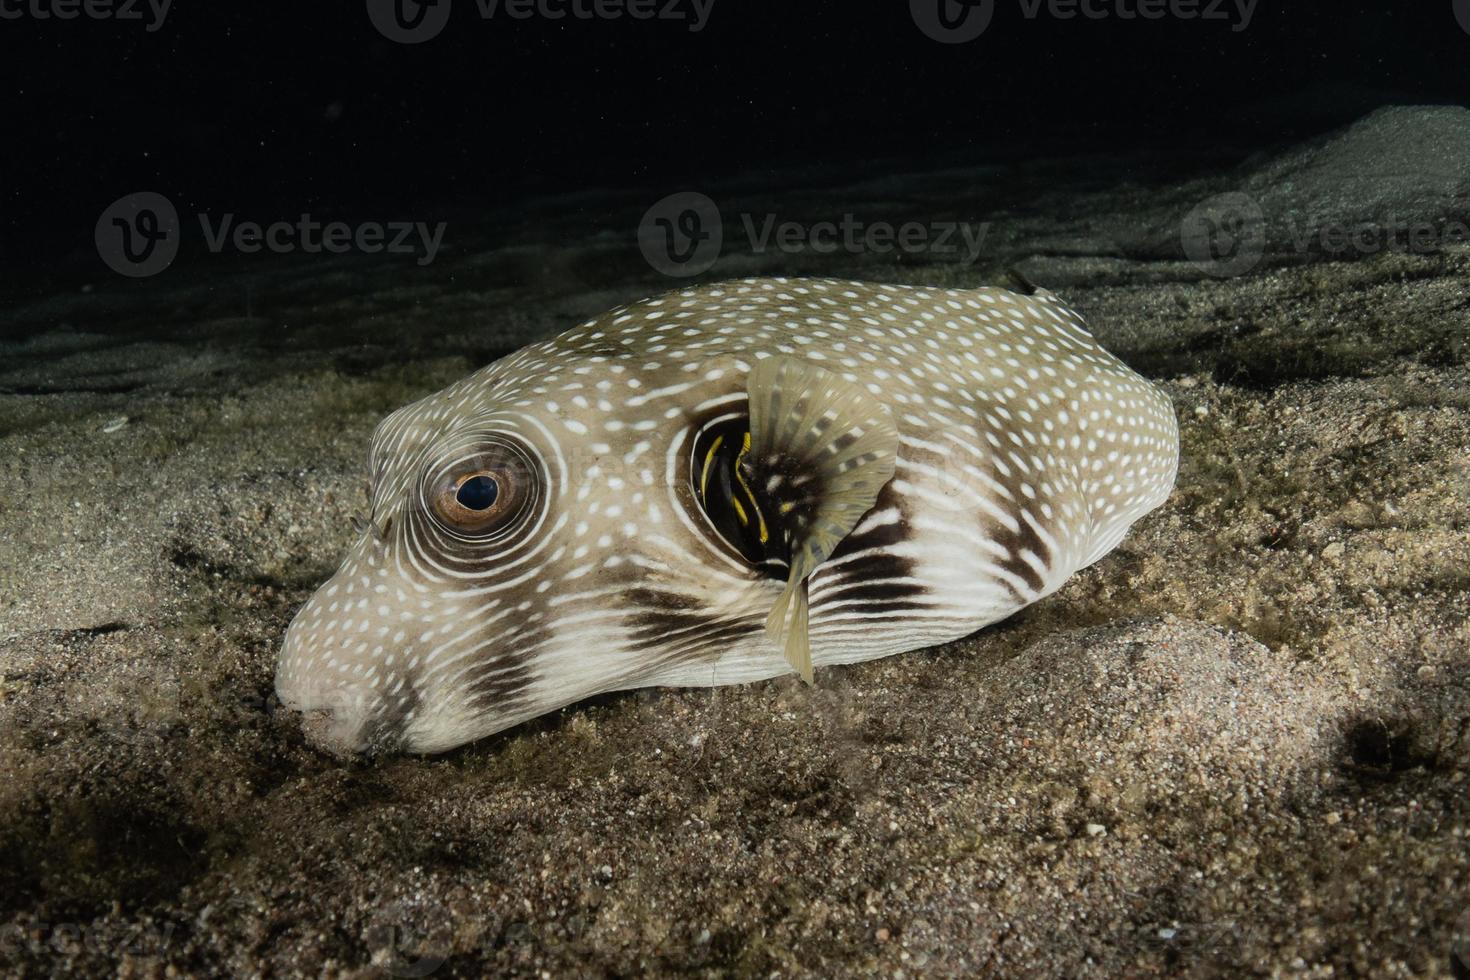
{"type": "Point", "coordinates": [721, 485]}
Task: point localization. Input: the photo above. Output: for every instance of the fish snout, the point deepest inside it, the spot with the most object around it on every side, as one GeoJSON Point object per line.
{"type": "Point", "coordinates": [341, 696]}
{"type": "Point", "coordinates": [340, 719]}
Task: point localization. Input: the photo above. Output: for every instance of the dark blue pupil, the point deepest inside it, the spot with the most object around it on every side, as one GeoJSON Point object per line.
{"type": "Point", "coordinates": [477, 493]}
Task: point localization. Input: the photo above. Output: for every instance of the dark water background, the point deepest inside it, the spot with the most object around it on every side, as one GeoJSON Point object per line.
{"type": "Point", "coordinates": [269, 111]}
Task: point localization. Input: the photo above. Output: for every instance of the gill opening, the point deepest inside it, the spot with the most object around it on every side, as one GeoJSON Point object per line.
{"type": "Point", "coordinates": [763, 532]}
{"type": "Point", "coordinates": [723, 490]}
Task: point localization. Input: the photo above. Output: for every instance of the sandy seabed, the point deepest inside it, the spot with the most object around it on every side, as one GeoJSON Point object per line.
{"type": "Point", "coordinates": [1237, 745]}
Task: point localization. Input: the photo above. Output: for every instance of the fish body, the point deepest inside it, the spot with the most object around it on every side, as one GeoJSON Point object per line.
{"type": "Point", "coordinates": [720, 485]}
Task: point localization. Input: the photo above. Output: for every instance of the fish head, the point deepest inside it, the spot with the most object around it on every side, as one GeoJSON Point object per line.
{"type": "Point", "coordinates": [535, 537]}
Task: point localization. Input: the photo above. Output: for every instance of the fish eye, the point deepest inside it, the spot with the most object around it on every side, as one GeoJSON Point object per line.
{"type": "Point", "coordinates": [477, 492]}
{"type": "Point", "coordinates": [477, 500]}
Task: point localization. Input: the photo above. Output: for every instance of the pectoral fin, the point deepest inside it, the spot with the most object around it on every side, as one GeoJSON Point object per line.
{"type": "Point", "coordinates": [822, 448]}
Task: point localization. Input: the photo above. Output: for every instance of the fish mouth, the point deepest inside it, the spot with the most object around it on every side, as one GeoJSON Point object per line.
{"type": "Point", "coordinates": [344, 722]}
{"type": "Point", "coordinates": [340, 716]}
{"type": "Point", "coordinates": [325, 732]}
{"type": "Point", "coordinates": [344, 738]}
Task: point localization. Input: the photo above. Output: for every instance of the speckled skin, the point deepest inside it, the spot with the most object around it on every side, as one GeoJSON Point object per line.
{"type": "Point", "coordinates": [1025, 453]}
